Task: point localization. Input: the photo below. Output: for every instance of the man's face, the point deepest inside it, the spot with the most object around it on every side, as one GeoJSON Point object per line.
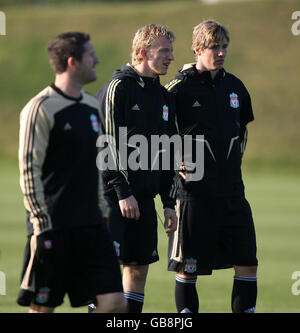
{"type": "Point", "coordinates": [160, 55]}
{"type": "Point", "coordinates": [213, 57]}
{"type": "Point", "coordinates": [86, 67]}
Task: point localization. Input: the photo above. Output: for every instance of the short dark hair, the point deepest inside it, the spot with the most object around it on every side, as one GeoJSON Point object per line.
{"type": "Point", "coordinates": [69, 44]}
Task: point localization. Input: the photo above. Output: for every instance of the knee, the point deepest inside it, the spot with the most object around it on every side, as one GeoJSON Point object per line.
{"type": "Point", "coordinates": [34, 308]}
{"type": "Point", "coordinates": [134, 278]}
{"type": "Point", "coordinates": [181, 274]}
{"type": "Point", "coordinates": [136, 273]}
{"type": "Point", "coordinates": [111, 303]}
{"type": "Point", "coordinates": [118, 304]}
{"type": "Point", "coordinates": [245, 270]}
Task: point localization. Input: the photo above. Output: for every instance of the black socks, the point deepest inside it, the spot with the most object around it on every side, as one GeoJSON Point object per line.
{"type": "Point", "coordinates": [135, 301]}
{"type": "Point", "coordinates": [244, 294]}
{"type": "Point", "coordinates": [186, 296]}
{"type": "Point", "coordinates": [243, 300]}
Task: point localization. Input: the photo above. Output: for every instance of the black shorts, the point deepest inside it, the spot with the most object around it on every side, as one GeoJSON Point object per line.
{"type": "Point", "coordinates": [82, 264]}
{"type": "Point", "coordinates": [135, 240]}
{"type": "Point", "coordinates": [212, 233]}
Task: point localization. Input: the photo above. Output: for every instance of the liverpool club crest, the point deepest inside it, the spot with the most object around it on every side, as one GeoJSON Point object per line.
{"type": "Point", "coordinates": [165, 113]}
{"type": "Point", "coordinates": [234, 100]}
{"type": "Point", "coordinates": [94, 122]}
{"type": "Point", "coordinates": [190, 265]}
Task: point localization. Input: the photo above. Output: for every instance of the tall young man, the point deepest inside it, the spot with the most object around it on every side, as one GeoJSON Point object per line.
{"type": "Point", "coordinates": [69, 249]}
{"type": "Point", "coordinates": [136, 101]}
{"type": "Point", "coordinates": [215, 229]}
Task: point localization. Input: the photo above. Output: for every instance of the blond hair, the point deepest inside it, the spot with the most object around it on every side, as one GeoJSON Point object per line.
{"type": "Point", "coordinates": [144, 38]}
{"type": "Point", "coordinates": [208, 32]}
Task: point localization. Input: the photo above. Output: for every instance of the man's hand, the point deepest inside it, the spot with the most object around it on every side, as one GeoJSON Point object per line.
{"type": "Point", "coordinates": [182, 171]}
{"type": "Point", "coordinates": [170, 224]}
{"type": "Point", "coordinates": [130, 208]}
{"type": "Point", "coordinates": [186, 167]}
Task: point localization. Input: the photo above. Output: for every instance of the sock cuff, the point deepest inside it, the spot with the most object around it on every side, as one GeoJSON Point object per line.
{"type": "Point", "coordinates": [138, 297]}
{"type": "Point", "coordinates": [245, 278]}
{"type": "Point", "coordinates": [182, 280]}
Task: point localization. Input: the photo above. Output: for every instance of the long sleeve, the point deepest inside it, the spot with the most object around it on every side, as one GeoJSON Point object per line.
{"type": "Point", "coordinates": [168, 179]}
{"type": "Point", "coordinates": [111, 100]}
{"type": "Point", "coordinates": [246, 117]}
{"type": "Point", "coordinates": [33, 142]}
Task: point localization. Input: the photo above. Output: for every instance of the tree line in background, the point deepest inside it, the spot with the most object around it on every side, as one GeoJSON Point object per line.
{"type": "Point", "coordinates": [47, 2]}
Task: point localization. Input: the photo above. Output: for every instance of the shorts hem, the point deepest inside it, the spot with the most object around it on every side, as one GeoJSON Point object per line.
{"type": "Point", "coordinates": [139, 262]}
{"type": "Point", "coordinates": [29, 301]}
{"type": "Point", "coordinates": [176, 266]}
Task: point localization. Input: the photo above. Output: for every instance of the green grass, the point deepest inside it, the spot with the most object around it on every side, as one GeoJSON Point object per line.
{"type": "Point", "coordinates": [275, 203]}
{"type": "Point", "coordinates": [263, 53]}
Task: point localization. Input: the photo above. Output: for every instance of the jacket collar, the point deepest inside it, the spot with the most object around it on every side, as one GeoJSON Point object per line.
{"type": "Point", "coordinates": [143, 81]}
{"type": "Point", "coordinates": [191, 70]}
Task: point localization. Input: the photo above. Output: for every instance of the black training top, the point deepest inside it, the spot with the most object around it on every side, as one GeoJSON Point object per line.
{"type": "Point", "coordinates": [145, 108]}
{"type": "Point", "coordinates": [219, 109]}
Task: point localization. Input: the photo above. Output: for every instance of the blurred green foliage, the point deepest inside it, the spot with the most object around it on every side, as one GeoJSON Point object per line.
{"type": "Point", "coordinates": [51, 2]}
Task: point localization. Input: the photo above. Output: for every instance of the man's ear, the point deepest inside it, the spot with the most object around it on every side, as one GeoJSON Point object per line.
{"type": "Point", "coordinates": [197, 52]}
{"type": "Point", "coordinates": [143, 54]}
{"type": "Point", "coordinates": [71, 62]}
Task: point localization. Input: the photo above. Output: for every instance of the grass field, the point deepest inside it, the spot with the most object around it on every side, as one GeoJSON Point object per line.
{"type": "Point", "coordinates": [275, 203]}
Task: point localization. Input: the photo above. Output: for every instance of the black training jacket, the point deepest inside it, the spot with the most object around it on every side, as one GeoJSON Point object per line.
{"type": "Point", "coordinates": [144, 107]}
{"type": "Point", "coordinates": [219, 109]}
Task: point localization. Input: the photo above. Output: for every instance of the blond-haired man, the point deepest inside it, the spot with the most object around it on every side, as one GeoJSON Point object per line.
{"type": "Point", "coordinates": [216, 226]}
{"type": "Point", "coordinates": [134, 99]}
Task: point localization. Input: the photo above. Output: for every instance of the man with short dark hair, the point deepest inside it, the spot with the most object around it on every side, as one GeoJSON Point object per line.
{"type": "Point", "coordinates": [69, 249]}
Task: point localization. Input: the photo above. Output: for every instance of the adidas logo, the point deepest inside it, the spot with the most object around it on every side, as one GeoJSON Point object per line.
{"type": "Point", "coordinates": [67, 127]}
{"type": "Point", "coordinates": [196, 104]}
{"type": "Point", "coordinates": [141, 83]}
{"type": "Point", "coordinates": [135, 108]}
